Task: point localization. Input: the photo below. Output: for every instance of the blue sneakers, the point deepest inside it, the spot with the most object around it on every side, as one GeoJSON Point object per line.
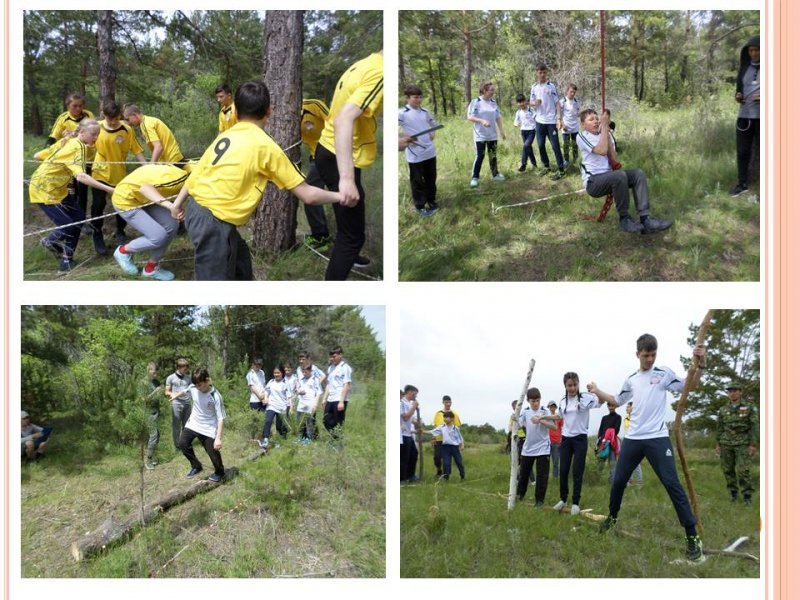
{"type": "Point", "coordinates": [125, 261]}
{"type": "Point", "coordinates": [159, 274]}
{"type": "Point", "coordinates": [193, 472]}
{"type": "Point", "coordinates": [214, 478]}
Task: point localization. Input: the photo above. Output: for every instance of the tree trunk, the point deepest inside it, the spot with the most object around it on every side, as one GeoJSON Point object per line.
{"type": "Point", "coordinates": [467, 59]}
{"type": "Point", "coordinates": [107, 75]}
{"type": "Point", "coordinates": [442, 88]}
{"type": "Point", "coordinates": [402, 68]}
{"type": "Point", "coordinates": [112, 530]}
{"type": "Point", "coordinates": [36, 124]}
{"type": "Point", "coordinates": [433, 86]}
{"type": "Point", "coordinates": [226, 328]}
{"type": "Point", "coordinates": [276, 217]}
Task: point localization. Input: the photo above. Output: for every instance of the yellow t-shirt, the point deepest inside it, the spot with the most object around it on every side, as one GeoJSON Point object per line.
{"type": "Point", "coordinates": [312, 121]}
{"type": "Point", "coordinates": [47, 152]}
{"type": "Point", "coordinates": [167, 179]}
{"type": "Point", "coordinates": [50, 181]}
{"type": "Point", "coordinates": [362, 85]}
{"type": "Point", "coordinates": [113, 145]}
{"type": "Point", "coordinates": [154, 130]}
{"type": "Point", "coordinates": [66, 122]}
{"type": "Point", "coordinates": [234, 170]}
{"type": "Point", "coordinates": [227, 117]}
{"type": "Point", "coordinates": [438, 419]}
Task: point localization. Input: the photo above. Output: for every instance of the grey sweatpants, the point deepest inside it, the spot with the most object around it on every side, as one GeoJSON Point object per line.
{"type": "Point", "coordinates": [619, 183]}
{"type": "Point", "coordinates": [156, 226]}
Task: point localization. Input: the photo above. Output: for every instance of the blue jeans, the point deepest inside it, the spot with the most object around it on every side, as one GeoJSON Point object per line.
{"type": "Point", "coordinates": [528, 137]}
{"type": "Point", "coordinates": [452, 453]}
{"type": "Point", "coordinates": [65, 213]}
{"type": "Point", "coordinates": [573, 447]}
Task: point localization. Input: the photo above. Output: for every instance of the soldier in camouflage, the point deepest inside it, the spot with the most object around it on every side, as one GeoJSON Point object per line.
{"type": "Point", "coordinates": [737, 442]}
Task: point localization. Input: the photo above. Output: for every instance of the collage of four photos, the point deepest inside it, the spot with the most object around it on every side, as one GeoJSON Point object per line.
{"type": "Point", "coordinates": [575, 402]}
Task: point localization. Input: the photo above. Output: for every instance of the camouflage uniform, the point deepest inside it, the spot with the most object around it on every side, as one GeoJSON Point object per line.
{"type": "Point", "coordinates": [737, 430]}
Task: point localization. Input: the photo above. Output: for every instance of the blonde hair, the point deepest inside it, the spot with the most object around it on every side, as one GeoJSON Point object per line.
{"type": "Point", "coordinates": [88, 124]}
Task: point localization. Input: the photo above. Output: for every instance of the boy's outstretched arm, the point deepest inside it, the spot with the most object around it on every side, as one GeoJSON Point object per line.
{"type": "Point", "coordinates": [343, 141]}
{"type": "Point", "coordinates": [604, 397]}
{"type": "Point", "coordinates": [309, 194]}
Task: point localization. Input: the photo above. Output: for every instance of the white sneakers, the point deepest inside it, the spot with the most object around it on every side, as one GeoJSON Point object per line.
{"type": "Point", "coordinates": [561, 504]}
{"type": "Point", "coordinates": [576, 510]}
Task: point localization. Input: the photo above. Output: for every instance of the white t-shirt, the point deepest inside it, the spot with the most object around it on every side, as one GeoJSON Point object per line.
{"type": "Point", "coordinates": [207, 411]}
{"type": "Point", "coordinates": [451, 435]}
{"type": "Point", "coordinates": [315, 372]}
{"type": "Point", "coordinates": [340, 375]}
{"type": "Point", "coordinates": [548, 94]}
{"type": "Point", "coordinates": [307, 401]}
{"type": "Point", "coordinates": [537, 436]}
{"type": "Point", "coordinates": [414, 120]}
{"type": "Point", "coordinates": [278, 394]}
{"type": "Point", "coordinates": [648, 392]}
{"type": "Point", "coordinates": [525, 119]}
{"type": "Point", "coordinates": [291, 384]}
{"type": "Point", "coordinates": [257, 380]}
{"type": "Point", "coordinates": [405, 425]}
{"type": "Point", "coordinates": [570, 114]}
{"type": "Point", "coordinates": [591, 162]}
{"type": "Point", "coordinates": [575, 412]}
{"type": "Point", "coordinates": [489, 111]}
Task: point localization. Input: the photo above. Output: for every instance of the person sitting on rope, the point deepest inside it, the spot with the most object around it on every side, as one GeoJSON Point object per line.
{"type": "Point", "coordinates": [602, 174]}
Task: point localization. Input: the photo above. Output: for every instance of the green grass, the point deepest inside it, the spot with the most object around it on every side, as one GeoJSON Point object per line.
{"type": "Point", "coordinates": [300, 511]}
{"type": "Point", "coordinates": [297, 264]}
{"type": "Point", "coordinates": [688, 155]}
{"type": "Point", "coordinates": [463, 529]}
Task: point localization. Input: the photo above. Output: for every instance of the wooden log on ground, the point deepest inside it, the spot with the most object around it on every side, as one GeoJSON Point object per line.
{"type": "Point", "coordinates": [114, 530]}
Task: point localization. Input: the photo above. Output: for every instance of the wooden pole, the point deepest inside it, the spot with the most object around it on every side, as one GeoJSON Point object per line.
{"type": "Point", "coordinates": [603, 59]}
{"type": "Point", "coordinates": [691, 382]}
{"type": "Point", "coordinates": [512, 480]}
{"type": "Point", "coordinates": [419, 443]}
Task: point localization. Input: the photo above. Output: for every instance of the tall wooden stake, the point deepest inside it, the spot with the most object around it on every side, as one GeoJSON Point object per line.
{"type": "Point", "coordinates": [603, 59]}
{"type": "Point", "coordinates": [419, 443]}
{"type": "Point", "coordinates": [512, 480]}
{"type": "Point", "coordinates": [691, 382]}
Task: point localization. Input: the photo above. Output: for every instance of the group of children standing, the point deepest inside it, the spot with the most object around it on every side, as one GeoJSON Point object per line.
{"type": "Point", "coordinates": [301, 391]}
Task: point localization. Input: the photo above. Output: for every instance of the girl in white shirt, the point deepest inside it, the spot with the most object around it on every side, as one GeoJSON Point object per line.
{"type": "Point", "coordinates": [276, 398]}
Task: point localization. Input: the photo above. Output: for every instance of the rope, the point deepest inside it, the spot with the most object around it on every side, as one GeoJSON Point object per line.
{"type": "Point", "coordinates": [354, 270]}
{"type": "Point", "coordinates": [495, 209]}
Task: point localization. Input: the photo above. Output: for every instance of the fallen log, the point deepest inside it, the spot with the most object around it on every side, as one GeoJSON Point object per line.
{"type": "Point", "coordinates": [114, 530]}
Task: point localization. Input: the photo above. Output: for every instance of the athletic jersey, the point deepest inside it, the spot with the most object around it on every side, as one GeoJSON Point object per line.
{"type": "Point", "coordinates": [233, 172]}
{"type": "Point", "coordinates": [438, 419]}
{"type": "Point", "coordinates": [316, 372]}
{"type": "Point", "coordinates": [113, 145]}
{"type": "Point", "coordinates": [278, 393]}
{"type": "Point", "coordinates": [575, 412]}
{"type": "Point", "coordinates": [338, 377]}
{"type": "Point", "coordinates": [167, 179]}
{"type": "Point", "coordinates": [525, 119]}
{"type": "Point", "coordinates": [258, 380]}
{"type": "Point", "coordinates": [154, 130]}
{"type": "Point", "coordinates": [207, 411]}
{"type": "Point", "coordinates": [488, 111]}
{"type": "Point", "coordinates": [307, 401]}
{"type": "Point", "coordinates": [414, 120]}
{"type": "Point", "coordinates": [648, 392]}
{"type": "Point", "coordinates": [548, 94]}
{"type": "Point", "coordinates": [405, 425]}
{"type": "Point", "coordinates": [66, 122]}
{"type": "Point", "coordinates": [179, 383]}
{"type": "Point", "coordinates": [362, 85]}
{"type": "Point", "coordinates": [591, 162]}
{"type": "Point", "coordinates": [570, 114]}
{"type": "Point", "coordinates": [312, 122]}
{"type": "Point", "coordinates": [537, 436]}
{"type": "Point", "coordinates": [450, 434]}
{"type": "Point", "coordinates": [43, 155]}
{"type": "Point", "coordinates": [227, 117]}
{"type": "Point", "coordinates": [50, 181]}
{"type": "Point", "coordinates": [291, 385]}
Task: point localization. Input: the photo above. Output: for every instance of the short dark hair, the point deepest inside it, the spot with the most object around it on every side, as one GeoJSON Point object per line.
{"type": "Point", "coordinates": [303, 354]}
{"type": "Point", "coordinates": [410, 388]}
{"type": "Point", "coordinates": [572, 86]}
{"type": "Point", "coordinates": [252, 100]}
{"type": "Point", "coordinates": [110, 109]}
{"type": "Point", "coordinates": [534, 394]}
{"type": "Point", "coordinates": [257, 361]}
{"type": "Point", "coordinates": [646, 343]}
{"type": "Point", "coordinates": [335, 350]}
{"type": "Point", "coordinates": [521, 98]}
{"type": "Point", "coordinates": [199, 375]}
{"type": "Point", "coordinates": [448, 414]}
{"type": "Point", "coordinates": [72, 97]}
{"type": "Point", "coordinates": [541, 67]}
{"type": "Point", "coordinates": [412, 90]}
{"type": "Point", "coordinates": [585, 113]}
{"type": "Point", "coordinates": [446, 397]}
{"type": "Point", "coordinates": [222, 87]}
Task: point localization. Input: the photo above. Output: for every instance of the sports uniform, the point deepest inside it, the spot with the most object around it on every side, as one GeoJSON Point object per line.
{"type": "Point", "coordinates": [451, 448]}
{"type": "Point", "coordinates": [421, 155]}
{"type": "Point", "coordinates": [485, 138]}
{"type": "Point", "coordinates": [227, 117]}
{"type": "Point", "coordinates": [65, 122]}
{"type": "Point", "coordinates": [570, 126]}
{"type": "Point", "coordinates": [535, 451]}
{"type": "Point", "coordinates": [155, 130]}
{"type": "Point", "coordinates": [574, 442]}
{"type": "Point", "coordinates": [546, 121]}
{"type": "Point", "coordinates": [208, 411]}
{"type": "Point", "coordinates": [526, 121]}
{"type": "Point", "coordinates": [307, 405]}
{"type": "Point", "coordinates": [278, 394]}
{"type": "Point", "coordinates": [258, 380]}
{"type": "Point", "coordinates": [438, 419]}
{"type": "Point", "coordinates": [225, 188]}
{"type": "Point", "coordinates": [361, 85]}
{"type": "Point", "coordinates": [339, 376]}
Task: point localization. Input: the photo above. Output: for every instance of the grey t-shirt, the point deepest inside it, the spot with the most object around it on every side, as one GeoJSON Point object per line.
{"type": "Point", "coordinates": [751, 88]}
{"type": "Point", "coordinates": [180, 383]}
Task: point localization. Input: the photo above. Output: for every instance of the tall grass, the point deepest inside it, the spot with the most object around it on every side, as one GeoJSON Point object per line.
{"type": "Point", "coordinates": [463, 529]}
{"type": "Point", "coordinates": [299, 511]}
{"type": "Point", "coordinates": [689, 157]}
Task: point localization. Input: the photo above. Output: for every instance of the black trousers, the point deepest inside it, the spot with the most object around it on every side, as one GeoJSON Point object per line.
{"type": "Point", "coordinates": [99, 199]}
{"type": "Point", "coordinates": [573, 448]}
{"type": "Point", "coordinates": [315, 213]}
{"type": "Point", "coordinates": [481, 148]}
{"type": "Point", "coordinates": [423, 182]}
{"type": "Point", "coordinates": [351, 222]}
{"type": "Point", "coordinates": [407, 450]}
{"type": "Point", "coordinates": [437, 457]}
{"type": "Point", "coordinates": [526, 464]}
{"type": "Point", "coordinates": [220, 253]}
{"type": "Point", "coordinates": [333, 417]}
{"type": "Point", "coordinates": [280, 423]}
{"type": "Point", "coordinates": [748, 139]}
{"type": "Point", "coordinates": [185, 445]}
{"type": "Point", "coordinates": [659, 454]}
{"type": "Point", "coordinates": [545, 131]}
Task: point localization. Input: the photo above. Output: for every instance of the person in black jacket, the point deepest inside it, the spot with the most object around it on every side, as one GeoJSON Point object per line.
{"type": "Point", "coordinates": [611, 421]}
{"type": "Point", "coordinates": [748, 94]}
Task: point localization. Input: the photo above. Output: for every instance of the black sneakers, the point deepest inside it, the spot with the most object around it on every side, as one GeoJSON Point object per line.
{"type": "Point", "coordinates": [739, 189]}
{"type": "Point", "coordinates": [694, 549]}
{"type": "Point", "coordinates": [628, 225]}
{"type": "Point", "coordinates": [608, 524]}
{"type": "Point", "coordinates": [653, 225]}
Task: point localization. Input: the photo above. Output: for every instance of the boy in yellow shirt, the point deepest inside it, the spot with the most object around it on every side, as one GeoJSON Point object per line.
{"type": "Point", "coordinates": [227, 109]}
{"type": "Point", "coordinates": [225, 187]}
{"type": "Point", "coordinates": [348, 145]}
{"type": "Point", "coordinates": [158, 137]}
